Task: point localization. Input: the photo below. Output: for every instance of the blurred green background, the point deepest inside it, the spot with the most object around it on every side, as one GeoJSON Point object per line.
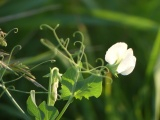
{"type": "Point", "coordinates": [103, 22]}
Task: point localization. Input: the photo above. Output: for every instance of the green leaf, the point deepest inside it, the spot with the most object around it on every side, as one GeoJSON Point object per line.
{"type": "Point", "coordinates": [91, 86]}
{"type": "Point", "coordinates": [68, 82]}
{"type": "Point", "coordinates": [32, 107]}
{"type": "Point", "coordinates": [50, 112]}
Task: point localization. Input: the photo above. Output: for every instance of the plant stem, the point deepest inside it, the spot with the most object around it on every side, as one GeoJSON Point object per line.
{"type": "Point", "coordinates": [14, 102]}
{"type": "Point", "coordinates": [64, 108]}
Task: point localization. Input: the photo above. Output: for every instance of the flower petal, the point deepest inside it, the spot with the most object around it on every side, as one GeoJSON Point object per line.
{"type": "Point", "coordinates": [130, 69]}
{"type": "Point", "coordinates": [121, 49]}
{"type": "Point", "coordinates": [116, 52]}
{"type": "Point", "coordinates": [127, 65]}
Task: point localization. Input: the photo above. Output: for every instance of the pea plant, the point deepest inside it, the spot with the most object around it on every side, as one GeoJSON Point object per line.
{"type": "Point", "coordinates": [81, 79]}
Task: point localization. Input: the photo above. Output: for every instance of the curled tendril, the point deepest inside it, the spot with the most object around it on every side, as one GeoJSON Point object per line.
{"type": "Point", "coordinates": [78, 32]}
{"type": "Point", "coordinates": [3, 36]}
{"type": "Point", "coordinates": [81, 50]}
{"type": "Point", "coordinates": [101, 70]}
{"type": "Point", "coordinates": [45, 25]}
{"type": "Point", "coordinates": [78, 42]}
{"type": "Point", "coordinates": [15, 30]}
{"type": "Point", "coordinates": [97, 72]}
{"type": "Point", "coordinates": [19, 47]}
{"type": "Point", "coordinates": [101, 60]}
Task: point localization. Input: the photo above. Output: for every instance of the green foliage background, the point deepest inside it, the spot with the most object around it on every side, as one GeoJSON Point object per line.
{"type": "Point", "coordinates": [103, 22]}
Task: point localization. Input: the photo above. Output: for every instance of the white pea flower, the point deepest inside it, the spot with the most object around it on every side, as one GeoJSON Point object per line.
{"type": "Point", "coordinates": [121, 60]}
